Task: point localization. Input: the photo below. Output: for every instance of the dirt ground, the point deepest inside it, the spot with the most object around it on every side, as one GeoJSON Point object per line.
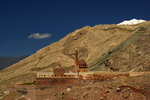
{"type": "Point", "coordinates": [118, 88]}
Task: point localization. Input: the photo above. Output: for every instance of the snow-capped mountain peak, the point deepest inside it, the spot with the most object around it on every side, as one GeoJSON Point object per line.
{"type": "Point", "coordinates": [131, 22]}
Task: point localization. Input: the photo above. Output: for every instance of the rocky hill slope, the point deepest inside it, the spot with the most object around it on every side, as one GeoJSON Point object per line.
{"type": "Point", "coordinates": [104, 47]}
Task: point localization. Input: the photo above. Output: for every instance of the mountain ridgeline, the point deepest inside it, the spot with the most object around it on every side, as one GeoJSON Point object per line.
{"type": "Point", "coordinates": [104, 47]}
{"type": "Point", "coordinates": [8, 61]}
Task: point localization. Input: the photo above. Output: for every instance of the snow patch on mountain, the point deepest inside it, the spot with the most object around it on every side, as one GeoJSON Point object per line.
{"type": "Point", "coordinates": [131, 22]}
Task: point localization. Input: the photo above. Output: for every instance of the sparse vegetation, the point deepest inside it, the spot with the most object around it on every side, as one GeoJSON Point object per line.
{"type": "Point", "coordinates": [131, 40]}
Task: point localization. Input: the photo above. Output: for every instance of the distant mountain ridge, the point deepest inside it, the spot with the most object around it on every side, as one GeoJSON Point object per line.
{"type": "Point", "coordinates": [8, 61]}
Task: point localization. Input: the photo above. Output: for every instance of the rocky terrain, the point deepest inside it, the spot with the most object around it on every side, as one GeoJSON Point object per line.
{"type": "Point", "coordinates": [130, 55]}
{"type": "Point", "coordinates": [118, 88]}
{"type": "Point", "coordinates": [123, 47]}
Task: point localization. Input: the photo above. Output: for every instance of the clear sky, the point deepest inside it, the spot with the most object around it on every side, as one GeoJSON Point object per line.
{"type": "Point", "coordinates": [28, 25]}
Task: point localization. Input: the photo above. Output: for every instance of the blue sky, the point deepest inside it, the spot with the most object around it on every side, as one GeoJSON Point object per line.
{"type": "Point", "coordinates": [54, 19]}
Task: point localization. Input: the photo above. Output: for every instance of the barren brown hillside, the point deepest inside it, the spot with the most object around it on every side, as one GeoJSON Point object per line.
{"type": "Point", "coordinates": [125, 47]}
{"type": "Point", "coordinates": [131, 55]}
